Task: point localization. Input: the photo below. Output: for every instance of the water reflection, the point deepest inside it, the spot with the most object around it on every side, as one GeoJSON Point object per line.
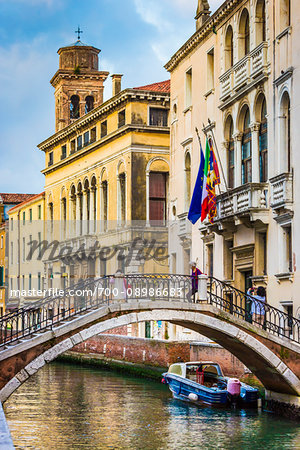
{"type": "Point", "coordinates": [70, 407]}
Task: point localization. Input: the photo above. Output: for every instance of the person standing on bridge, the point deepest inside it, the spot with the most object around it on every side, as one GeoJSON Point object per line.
{"type": "Point", "coordinates": [191, 295]}
{"type": "Point", "coordinates": [258, 309]}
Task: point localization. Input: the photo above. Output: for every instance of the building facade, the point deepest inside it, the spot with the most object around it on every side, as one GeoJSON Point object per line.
{"type": "Point", "coordinates": [26, 228]}
{"type": "Point", "coordinates": [236, 80]}
{"type": "Point", "coordinates": [7, 201]}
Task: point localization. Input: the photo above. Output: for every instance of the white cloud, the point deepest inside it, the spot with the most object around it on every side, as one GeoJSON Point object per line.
{"type": "Point", "coordinates": [152, 13]}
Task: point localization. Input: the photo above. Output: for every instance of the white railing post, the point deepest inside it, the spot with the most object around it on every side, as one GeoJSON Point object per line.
{"type": "Point", "coordinates": [202, 288]}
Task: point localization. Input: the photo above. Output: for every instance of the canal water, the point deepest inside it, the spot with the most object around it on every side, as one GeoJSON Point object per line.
{"type": "Point", "coordinates": [72, 407]}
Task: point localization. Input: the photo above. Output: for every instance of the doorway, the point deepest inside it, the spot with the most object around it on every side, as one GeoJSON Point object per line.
{"type": "Point", "coordinates": [248, 303]}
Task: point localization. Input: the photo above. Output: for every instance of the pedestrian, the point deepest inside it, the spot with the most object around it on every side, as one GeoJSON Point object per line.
{"type": "Point", "coordinates": [248, 313]}
{"type": "Point", "coordinates": [258, 309]}
{"type": "Point", "coordinates": [194, 277]}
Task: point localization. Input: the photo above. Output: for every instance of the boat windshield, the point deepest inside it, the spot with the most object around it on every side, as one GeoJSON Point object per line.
{"type": "Point", "coordinates": [176, 369]}
{"type": "Point", "coordinates": [206, 368]}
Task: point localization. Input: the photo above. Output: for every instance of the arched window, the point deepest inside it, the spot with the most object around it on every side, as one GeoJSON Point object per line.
{"type": "Point", "coordinates": [244, 34]}
{"type": "Point", "coordinates": [89, 103]}
{"type": "Point", "coordinates": [246, 150]}
{"type": "Point", "coordinates": [260, 19]}
{"type": "Point", "coordinates": [285, 131]}
{"type": "Point", "coordinates": [104, 201]}
{"type": "Point", "coordinates": [187, 169]}
{"type": "Point", "coordinates": [230, 153]}
{"type": "Point", "coordinates": [86, 213]}
{"type": "Point", "coordinates": [229, 48]}
{"type": "Point", "coordinates": [74, 107]}
{"type": "Point", "coordinates": [64, 216]}
{"type": "Point", "coordinates": [263, 144]}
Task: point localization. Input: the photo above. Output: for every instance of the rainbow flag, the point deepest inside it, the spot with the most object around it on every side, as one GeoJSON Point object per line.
{"type": "Point", "coordinates": [210, 180]}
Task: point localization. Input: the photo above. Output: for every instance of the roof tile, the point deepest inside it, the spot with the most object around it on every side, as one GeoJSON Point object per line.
{"type": "Point", "coordinates": [162, 86]}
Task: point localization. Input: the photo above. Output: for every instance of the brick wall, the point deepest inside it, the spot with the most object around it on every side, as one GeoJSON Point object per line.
{"type": "Point", "coordinates": [159, 353]}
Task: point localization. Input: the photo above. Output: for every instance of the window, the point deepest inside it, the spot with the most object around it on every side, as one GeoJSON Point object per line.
{"type": "Point", "coordinates": [246, 150]}
{"type": "Point", "coordinates": [231, 156]}
{"type": "Point", "coordinates": [1, 241]}
{"type": "Point", "coordinates": [50, 162]}
{"type": "Point", "coordinates": [122, 181]}
{"type": "Point", "coordinates": [244, 34]}
{"type": "Point", "coordinates": [29, 282]}
{"type": "Point", "coordinates": [228, 259]}
{"type": "Point", "coordinates": [39, 281]}
{"type": "Point", "coordinates": [73, 146]}
{"type": "Point", "coordinates": [11, 253]}
{"type": "Point", "coordinates": [39, 211]}
{"type": "Point", "coordinates": [79, 142]}
{"type": "Point", "coordinates": [89, 104]}
{"type": "Point", "coordinates": [260, 22]}
{"type": "Point", "coordinates": [285, 14]}
{"type": "Point", "coordinates": [121, 118]}
{"type": "Point", "coordinates": [285, 133]}
{"type": "Point", "coordinates": [23, 282]}
{"type": "Point", "coordinates": [263, 144]}
{"type": "Point", "coordinates": [210, 260]}
{"type": "Point", "coordinates": [30, 215]}
{"type": "Point", "coordinates": [104, 203]}
{"type": "Point", "coordinates": [188, 88]}
{"type": "Point", "coordinates": [63, 152]}
{"type": "Point", "coordinates": [11, 224]}
{"type": "Point", "coordinates": [210, 70]}
{"type": "Point", "coordinates": [104, 128]}
{"type": "Point", "coordinates": [86, 138]}
{"type": "Point", "coordinates": [287, 230]}
{"type": "Point", "coordinates": [23, 217]}
{"type": "Point", "coordinates": [1, 276]}
{"type": "Point", "coordinates": [24, 250]}
{"type": "Point", "coordinates": [158, 117]}
{"type": "Point", "coordinates": [93, 135]}
{"type": "Point", "coordinates": [157, 197]}
{"type": "Point", "coordinates": [229, 48]}
{"type": "Point", "coordinates": [187, 169]}
{"type": "Point", "coordinates": [74, 107]}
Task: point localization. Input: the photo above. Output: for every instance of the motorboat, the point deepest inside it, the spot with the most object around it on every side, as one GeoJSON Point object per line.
{"type": "Point", "coordinates": [202, 382]}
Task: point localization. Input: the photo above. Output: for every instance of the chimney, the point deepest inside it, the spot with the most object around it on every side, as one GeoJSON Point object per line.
{"type": "Point", "coordinates": [116, 84]}
{"type": "Point", "coordinates": [202, 14]}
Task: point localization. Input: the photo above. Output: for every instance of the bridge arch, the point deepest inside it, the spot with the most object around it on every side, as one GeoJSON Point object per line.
{"type": "Point", "coordinates": [261, 359]}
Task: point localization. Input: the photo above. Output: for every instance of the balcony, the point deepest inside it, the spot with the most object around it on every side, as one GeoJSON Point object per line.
{"type": "Point", "coordinates": [250, 70]}
{"type": "Point", "coordinates": [245, 204]}
{"type": "Point", "coordinates": [282, 192]}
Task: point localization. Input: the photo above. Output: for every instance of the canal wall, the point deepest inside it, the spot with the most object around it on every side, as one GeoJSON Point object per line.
{"type": "Point", "coordinates": [157, 353]}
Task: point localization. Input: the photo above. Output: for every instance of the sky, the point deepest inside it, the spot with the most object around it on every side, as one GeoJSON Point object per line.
{"type": "Point", "coordinates": [136, 38]}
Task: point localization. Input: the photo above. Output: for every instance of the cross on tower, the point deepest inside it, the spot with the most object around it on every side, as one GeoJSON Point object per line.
{"type": "Point", "coordinates": [78, 31]}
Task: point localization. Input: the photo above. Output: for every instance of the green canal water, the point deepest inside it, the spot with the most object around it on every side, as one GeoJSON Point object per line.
{"type": "Point", "coordinates": [72, 407]}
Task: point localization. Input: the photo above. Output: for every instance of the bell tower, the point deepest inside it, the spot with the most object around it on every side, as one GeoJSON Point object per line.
{"type": "Point", "coordinates": [78, 83]}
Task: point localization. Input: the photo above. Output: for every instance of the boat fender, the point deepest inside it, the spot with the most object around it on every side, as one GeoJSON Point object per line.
{"type": "Point", "coordinates": [164, 381]}
{"type": "Point", "coordinates": [193, 396]}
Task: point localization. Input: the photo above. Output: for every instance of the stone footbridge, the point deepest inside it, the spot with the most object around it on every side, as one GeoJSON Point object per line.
{"type": "Point", "coordinates": [36, 335]}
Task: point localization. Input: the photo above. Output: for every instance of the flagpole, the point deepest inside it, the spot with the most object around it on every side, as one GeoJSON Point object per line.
{"type": "Point", "coordinates": [198, 136]}
{"type": "Point", "coordinates": [217, 151]}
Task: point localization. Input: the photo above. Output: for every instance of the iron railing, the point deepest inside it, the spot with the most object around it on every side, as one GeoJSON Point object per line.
{"type": "Point", "coordinates": [62, 305]}
{"type": "Point", "coordinates": [252, 310]}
